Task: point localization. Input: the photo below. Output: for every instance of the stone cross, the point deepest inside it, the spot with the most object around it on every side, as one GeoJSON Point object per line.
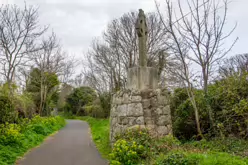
{"type": "Point", "coordinates": [141, 28]}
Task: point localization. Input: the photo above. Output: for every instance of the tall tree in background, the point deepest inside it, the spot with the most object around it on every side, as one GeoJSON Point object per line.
{"type": "Point", "coordinates": [236, 64]}
{"type": "Point", "coordinates": [49, 60]}
{"type": "Point", "coordinates": [46, 94]}
{"type": "Point", "coordinates": [19, 31]}
{"type": "Point", "coordinates": [198, 37]}
{"type": "Point", "coordinates": [117, 50]}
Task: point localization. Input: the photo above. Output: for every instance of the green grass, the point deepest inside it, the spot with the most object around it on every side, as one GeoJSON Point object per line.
{"type": "Point", "coordinates": [215, 152]}
{"type": "Point", "coordinates": [100, 134]}
{"type": "Point", "coordinates": [189, 158]}
{"type": "Point", "coordinates": [229, 145]}
{"type": "Point", "coordinates": [17, 139]}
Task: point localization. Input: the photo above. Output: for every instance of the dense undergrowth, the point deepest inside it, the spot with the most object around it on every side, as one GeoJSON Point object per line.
{"type": "Point", "coordinates": [18, 138]}
{"type": "Point", "coordinates": [138, 147]}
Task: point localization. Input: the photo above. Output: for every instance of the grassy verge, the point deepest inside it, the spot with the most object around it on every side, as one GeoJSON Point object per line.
{"type": "Point", "coordinates": [194, 158]}
{"type": "Point", "coordinates": [100, 134]}
{"type": "Point", "coordinates": [168, 150]}
{"type": "Point", "coordinates": [138, 147]}
{"type": "Point", "coordinates": [228, 151]}
{"type": "Point", "coordinates": [17, 139]}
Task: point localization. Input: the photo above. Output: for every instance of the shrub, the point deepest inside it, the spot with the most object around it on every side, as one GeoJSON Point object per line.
{"type": "Point", "coordinates": [175, 159]}
{"type": "Point", "coordinates": [139, 135]}
{"type": "Point", "coordinates": [227, 99]}
{"type": "Point", "coordinates": [10, 134]}
{"type": "Point", "coordinates": [183, 117]}
{"type": "Point", "coordinates": [16, 139]}
{"type": "Point", "coordinates": [229, 145]}
{"type": "Point", "coordinates": [94, 111]}
{"type": "Point", "coordinates": [131, 147]}
{"type": "Point", "coordinates": [165, 144]}
{"type": "Point", "coordinates": [79, 98]}
{"type": "Point", "coordinates": [24, 105]}
{"type": "Point", "coordinates": [105, 101]}
{"type": "Point", "coordinates": [7, 112]}
{"type": "Point", "coordinates": [127, 153]}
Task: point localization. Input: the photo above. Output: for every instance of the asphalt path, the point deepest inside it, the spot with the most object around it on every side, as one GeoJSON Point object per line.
{"type": "Point", "coordinates": [72, 145]}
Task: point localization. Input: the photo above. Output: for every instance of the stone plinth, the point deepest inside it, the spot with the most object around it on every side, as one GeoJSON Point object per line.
{"type": "Point", "coordinates": [148, 108]}
{"type": "Point", "coordinates": [141, 78]}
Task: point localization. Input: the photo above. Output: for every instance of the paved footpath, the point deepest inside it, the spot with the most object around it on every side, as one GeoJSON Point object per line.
{"type": "Point", "coordinates": [70, 146]}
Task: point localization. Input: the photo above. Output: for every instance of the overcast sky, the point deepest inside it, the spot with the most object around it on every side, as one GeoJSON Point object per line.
{"type": "Point", "coordinates": [77, 22]}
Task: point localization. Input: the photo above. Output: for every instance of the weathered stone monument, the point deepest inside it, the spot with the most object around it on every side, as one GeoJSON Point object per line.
{"type": "Point", "coordinates": [143, 104]}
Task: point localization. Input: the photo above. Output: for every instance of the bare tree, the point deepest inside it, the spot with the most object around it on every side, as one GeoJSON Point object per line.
{"type": "Point", "coordinates": [69, 65]}
{"type": "Point", "coordinates": [198, 37]}
{"type": "Point", "coordinates": [19, 31]}
{"type": "Point", "coordinates": [49, 59]}
{"type": "Point", "coordinates": [78, 80]}
{"type": "Point", "coordinates": [234, 65]}
{"type": "Point", "coordinates": [110, 56]}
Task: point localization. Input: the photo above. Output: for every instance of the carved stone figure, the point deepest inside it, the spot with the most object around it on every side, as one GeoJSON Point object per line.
{"type": "Point", "coordinates": [141, 28]}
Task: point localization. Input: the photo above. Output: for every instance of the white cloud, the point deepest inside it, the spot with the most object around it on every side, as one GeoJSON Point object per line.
{"type": "Point", "coordinates": [77, 22]}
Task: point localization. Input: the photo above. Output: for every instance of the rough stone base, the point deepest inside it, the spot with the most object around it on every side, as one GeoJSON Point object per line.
{"type": "Point", "coordinates": [146, 109]}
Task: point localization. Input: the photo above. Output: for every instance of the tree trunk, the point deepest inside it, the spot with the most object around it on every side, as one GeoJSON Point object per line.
{"type": "Point", "coordinates": [206, 97]}
{"type": "Point", "coordinates": [193, 102]}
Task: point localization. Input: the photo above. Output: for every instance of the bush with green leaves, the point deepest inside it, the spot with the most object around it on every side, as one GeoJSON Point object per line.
{"type": "Point", "coordinates": [16, 139]}
{"type": "Point", "coordinates": [94, 111]}
{"type": "Point", "coordinates": [80, 97]}
{"type": "Point", "coordinates": [24, 105]}
{"type": "Point", "coordinates": [105, 102]}
{"type": "Point", "coordinates": [131, 147]}
{"type": "Point", "coordinates": [165, 144]}
{"type": "Point", "coordinates": [175, 159]}
{"type": "Point", "coordinates": [127, 153]}
{"type": "Point", "coordinates": [229, 145]}
{"type": "Point", "coordinates": [183, 117]}
{"type": "Point", "coordinates": [43, 86]}
{"type": "Point", "coordinates": [227, 99]}
{"type": "Point", "coordinates": [7, 111]}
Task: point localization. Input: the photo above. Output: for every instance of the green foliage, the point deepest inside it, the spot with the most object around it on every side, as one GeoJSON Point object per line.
{"type": "Point", "coordinates": [83, 101]}
{"type": "Point", "coordinates": [10, 134]}
{"type": "Point", "coordinates": [43, 88]}
{"type": "Point", "coordinates": [127, 152]}
{"type": "Point", "coordinates": [37, 78]}
{"type": "Point", "coordinates": [131, 147]}
{"type": "Point", "coordinates": [79, 98]}
{"type": "Point", "coordinates": [175, 159]}
{"type": "Point", "coordinates": [170, 149]}
{"type": "Point", "coordinates": [24, 105]}
{"type": "Point", "coordinates": [94, 111]}
{"type": "Point", "coordinates": [227, 99]}
{"type": "Point", "coordinates": [139, 135]}
{"type": "Point", "coordinates": [165, 144]}
{"type": "Point", "coordinates": [105, 101]}
{"type": "Point", "coordinates": [184, 126]}
{"type": "Point", "coordinates": [16, 139]}
{"type": "Point", "coordinates": [7, 111]}
{"type": "Point", "coordinates": [229, 145]}
{"type": "Point", "coordinates": [182, 158]}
